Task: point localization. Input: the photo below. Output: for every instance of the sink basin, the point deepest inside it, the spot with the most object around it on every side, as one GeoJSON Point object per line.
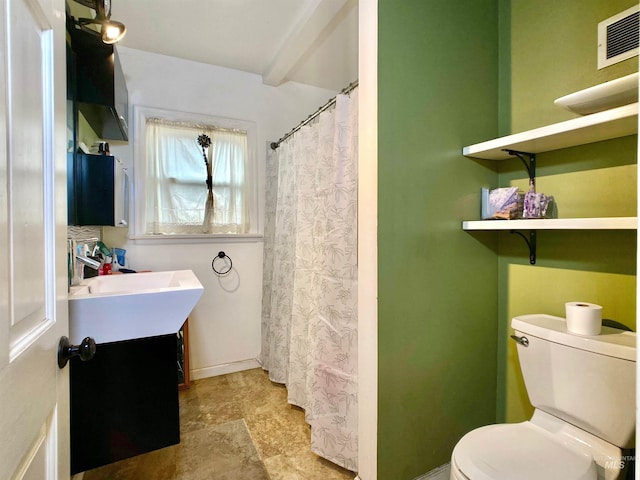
{"type": "Point", "coordinates": [113, 308]}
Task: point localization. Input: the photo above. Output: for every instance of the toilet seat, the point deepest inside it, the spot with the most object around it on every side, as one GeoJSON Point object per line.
{"type": "Point", "coordinates": [523, 451]}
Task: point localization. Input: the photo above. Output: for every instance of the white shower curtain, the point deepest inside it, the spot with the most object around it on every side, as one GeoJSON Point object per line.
{"type": "Point", "coordinates": [309, 316]}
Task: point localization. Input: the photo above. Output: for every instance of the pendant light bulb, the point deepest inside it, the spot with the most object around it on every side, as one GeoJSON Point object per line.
{"type": "Point", "coordinates": [113, 31]}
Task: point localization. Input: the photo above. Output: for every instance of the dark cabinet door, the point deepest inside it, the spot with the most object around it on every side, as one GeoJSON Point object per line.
{"type": "Point", "coordinates": [124, 402]}
{"type": "Point", "coordinates": [91, 190]}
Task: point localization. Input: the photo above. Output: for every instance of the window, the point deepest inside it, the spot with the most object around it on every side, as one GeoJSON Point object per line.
{"type": "Point", "coordinates": [172, 196]}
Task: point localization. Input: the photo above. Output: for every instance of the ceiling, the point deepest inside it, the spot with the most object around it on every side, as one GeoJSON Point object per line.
{"type": "Point", "coordinates": [308, 41]}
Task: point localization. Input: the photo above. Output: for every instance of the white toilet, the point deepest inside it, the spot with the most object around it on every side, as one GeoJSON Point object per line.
{"type": "Point", "coordinates": [584, 393]}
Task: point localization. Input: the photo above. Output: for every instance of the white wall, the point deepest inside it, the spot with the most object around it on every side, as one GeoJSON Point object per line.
{"type": "Point", "coordinates": [224, 327]}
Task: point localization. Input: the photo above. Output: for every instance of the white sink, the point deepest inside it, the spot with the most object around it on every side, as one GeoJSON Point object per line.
{"type": "Point", "coordinates": [113, 308]}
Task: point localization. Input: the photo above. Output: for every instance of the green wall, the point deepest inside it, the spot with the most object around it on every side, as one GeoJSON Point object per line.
{"type": "Point", "coordinates": [553, 53]}
{"type": "Point", "coordinates": [453, 74]}
{"type": "Point", "coordinates": [85, 132]}
{"type": "Point", "coordinates": [438, 91]}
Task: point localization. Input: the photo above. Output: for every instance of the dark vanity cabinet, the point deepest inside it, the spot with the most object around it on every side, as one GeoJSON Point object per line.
{"type": "Point", "coordinates": [124, 401]}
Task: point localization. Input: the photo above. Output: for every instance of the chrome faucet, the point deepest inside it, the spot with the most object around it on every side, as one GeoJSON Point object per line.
{"type": "Point", "coordinates": [78, 252]}
{"type": "Point", "coordinates": [89, 262]}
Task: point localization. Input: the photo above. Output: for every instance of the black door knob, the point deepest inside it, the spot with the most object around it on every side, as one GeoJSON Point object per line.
{"type": "Point", "coordinates": [86, 350]}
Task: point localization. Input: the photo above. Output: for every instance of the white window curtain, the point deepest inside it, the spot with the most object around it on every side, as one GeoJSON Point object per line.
{"type": "Point", "coordinates": [175, 181]}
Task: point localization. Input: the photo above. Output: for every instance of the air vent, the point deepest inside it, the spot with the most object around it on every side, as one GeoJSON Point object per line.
{"type": "Point", "coordinates": [618, 37]}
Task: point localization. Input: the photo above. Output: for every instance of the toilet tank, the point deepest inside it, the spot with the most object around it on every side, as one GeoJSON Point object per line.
{"type": "Point", "coordinates": [589, 382]}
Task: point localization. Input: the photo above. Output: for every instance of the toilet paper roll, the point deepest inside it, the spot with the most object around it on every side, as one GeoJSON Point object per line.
{"type": "Point", "coordinates": [583, 318]}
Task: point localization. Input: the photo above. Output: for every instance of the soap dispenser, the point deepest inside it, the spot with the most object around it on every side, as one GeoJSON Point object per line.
{"type": "Point", "coordinates": [115, 266]}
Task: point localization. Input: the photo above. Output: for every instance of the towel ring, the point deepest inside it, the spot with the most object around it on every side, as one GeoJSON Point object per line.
{"type": "Point", "coordinates": [221, 272]}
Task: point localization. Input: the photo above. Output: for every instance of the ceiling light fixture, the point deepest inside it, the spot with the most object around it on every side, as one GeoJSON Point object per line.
{"type": "Point", "coordinates": [109, 30]}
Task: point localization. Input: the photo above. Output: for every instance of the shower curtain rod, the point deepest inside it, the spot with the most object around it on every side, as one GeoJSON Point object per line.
{"type": "Point", "coordinates": [324, 107]}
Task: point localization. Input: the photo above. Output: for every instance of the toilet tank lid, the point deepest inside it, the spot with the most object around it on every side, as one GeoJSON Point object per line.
{"type": "Point", "coordinates": [611, 341]}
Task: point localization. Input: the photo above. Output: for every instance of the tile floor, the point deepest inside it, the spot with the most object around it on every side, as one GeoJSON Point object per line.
{"type": "Point", "coordinates": [233, 427]}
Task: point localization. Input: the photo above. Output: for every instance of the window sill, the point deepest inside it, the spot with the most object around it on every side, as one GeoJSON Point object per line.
{"type": "Point", "coordinates": [198, 238]}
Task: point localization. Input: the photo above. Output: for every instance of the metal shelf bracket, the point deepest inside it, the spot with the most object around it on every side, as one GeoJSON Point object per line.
{"type": "Point", "coordinates": [529, 163]}
{"type": "Point", "coordinates": [531, 243]}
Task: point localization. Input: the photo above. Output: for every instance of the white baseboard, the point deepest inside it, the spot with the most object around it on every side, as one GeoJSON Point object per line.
{"type": "Point", "coordinates": [440, 473]}
{"type": "Point", "coordinates": [216, 370]}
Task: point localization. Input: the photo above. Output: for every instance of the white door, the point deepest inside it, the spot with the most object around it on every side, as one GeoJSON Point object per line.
{"type": "Point", "coordinates": [34, 392]}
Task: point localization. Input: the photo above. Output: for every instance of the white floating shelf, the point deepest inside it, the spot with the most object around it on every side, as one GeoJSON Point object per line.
{"type": "Point", "coordinates": [608, 223]}
{"type": "Point", "coordinates": [614, 123]}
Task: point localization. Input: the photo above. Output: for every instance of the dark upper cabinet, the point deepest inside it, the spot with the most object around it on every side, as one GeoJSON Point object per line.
{"type": "Point", "coordinates": [97, 185]}
{"type": "Point", "coordinates": [97, 190]}
{"type": "Point", "coordinates": [101, 91]}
